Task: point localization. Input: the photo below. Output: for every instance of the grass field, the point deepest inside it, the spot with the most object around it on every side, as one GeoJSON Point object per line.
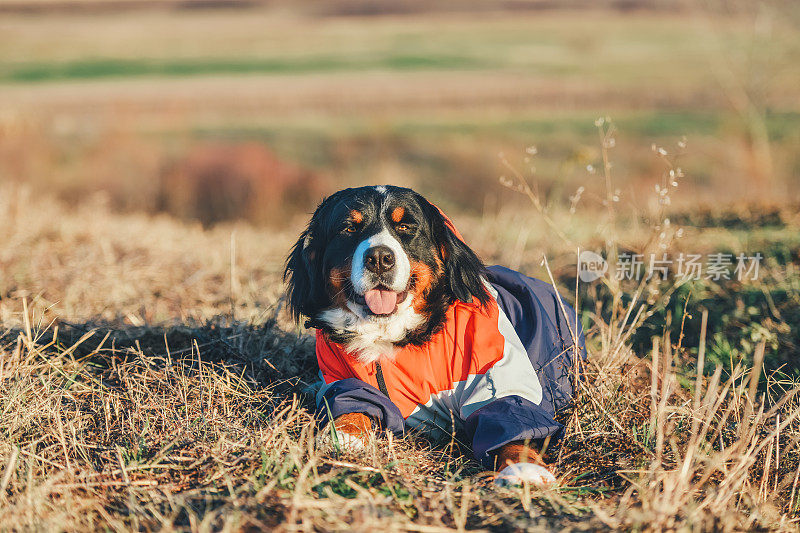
{"type": "Point", "coordinates": [150, 379]}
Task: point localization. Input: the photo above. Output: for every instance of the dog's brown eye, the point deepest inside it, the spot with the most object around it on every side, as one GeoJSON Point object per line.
{"type": "Point", "coordinates": [350, 229]}
{"type": "Point", "coordinates": [403, 227]}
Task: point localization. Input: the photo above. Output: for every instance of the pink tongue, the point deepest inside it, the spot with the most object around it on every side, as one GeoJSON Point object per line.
{"type": "Point", "coordinates": [381, 302]}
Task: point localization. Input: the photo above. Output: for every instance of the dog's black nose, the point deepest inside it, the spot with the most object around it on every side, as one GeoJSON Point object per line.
{"type": "Point", "coordinates": [379, 259]}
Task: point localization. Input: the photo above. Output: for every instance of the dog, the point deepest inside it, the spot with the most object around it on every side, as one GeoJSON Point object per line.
{"type": "Point", "coordinates": [413, 331]}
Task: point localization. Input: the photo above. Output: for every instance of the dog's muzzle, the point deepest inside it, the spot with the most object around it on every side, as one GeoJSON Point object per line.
{"type": "Point", "coordinates": [380, 273]}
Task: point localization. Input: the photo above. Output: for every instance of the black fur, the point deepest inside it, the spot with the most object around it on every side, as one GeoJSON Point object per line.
{"type": "Point", "coordinates": [463, 269]}
{"type": "Point", "coordinates": [323, 246]}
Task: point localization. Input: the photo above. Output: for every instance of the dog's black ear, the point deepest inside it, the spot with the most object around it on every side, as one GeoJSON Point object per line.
{"type": "Point", "coordinates": [300, 275]}
{"type": "Point", "coordinates": [464, 271]}
{"type": "Point", "coordinates": [305, 286]}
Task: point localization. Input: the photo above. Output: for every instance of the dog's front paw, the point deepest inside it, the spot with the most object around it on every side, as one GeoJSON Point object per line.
{"type": "Point", "coordinates": [349, 432]}
{"type": "Point", "coordinates": [519, 473]}
{"type": "Point", "coordinates": [342, 440]}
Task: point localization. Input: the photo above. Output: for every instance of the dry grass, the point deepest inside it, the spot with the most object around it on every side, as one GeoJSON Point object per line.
{"type": "Point", "coordinates": [148, 382]}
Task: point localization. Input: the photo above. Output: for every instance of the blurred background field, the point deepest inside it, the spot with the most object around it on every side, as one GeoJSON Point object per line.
{"type": "Point", "coordinates": [347, 93]}
{"type": "Point", "coordinates": [159, 157]}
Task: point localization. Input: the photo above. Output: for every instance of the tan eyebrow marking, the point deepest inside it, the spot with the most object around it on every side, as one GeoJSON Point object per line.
{"type": "Point", "coordinates": [397, 214]}
{"type": "Point", "coordinates": [357, 216]}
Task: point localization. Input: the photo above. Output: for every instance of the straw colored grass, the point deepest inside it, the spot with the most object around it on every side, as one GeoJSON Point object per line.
{"type": "Point", "coordinates": [149, 381]}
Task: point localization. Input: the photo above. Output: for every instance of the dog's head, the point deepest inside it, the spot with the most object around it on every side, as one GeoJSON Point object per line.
{"type": "Point", "coordinates": [378, 267]}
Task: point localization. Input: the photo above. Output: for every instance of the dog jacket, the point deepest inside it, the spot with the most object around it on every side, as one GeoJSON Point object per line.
{"type": "Point", "coordinates": [497, 372]}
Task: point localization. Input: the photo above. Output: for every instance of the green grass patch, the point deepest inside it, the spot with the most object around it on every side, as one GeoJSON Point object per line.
{"type": "Point", "coordinates": [86, 69]}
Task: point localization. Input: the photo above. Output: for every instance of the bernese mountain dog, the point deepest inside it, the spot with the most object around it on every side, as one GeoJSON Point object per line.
{"type": "Point", "coordinates": [413, 331]}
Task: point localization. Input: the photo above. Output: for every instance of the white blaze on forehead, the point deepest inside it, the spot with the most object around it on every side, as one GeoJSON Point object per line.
{"type": "Point", "coordinates": [381, 189]}
{"type": "Point", "coordinates": [402, 266]}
